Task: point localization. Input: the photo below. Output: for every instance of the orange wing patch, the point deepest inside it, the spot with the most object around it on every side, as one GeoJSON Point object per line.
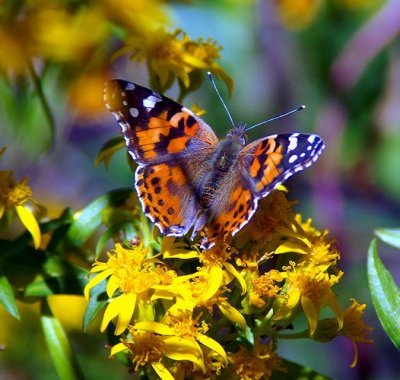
{"type": "Point", "coordinates": [166, 198]}
{"type": "Point", "coordinates": [235, 215]}
{"type": "Point", "coordinates": [265, 166]}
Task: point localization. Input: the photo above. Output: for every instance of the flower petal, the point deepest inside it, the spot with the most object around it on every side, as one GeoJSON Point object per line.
{"type": "Point", "coordinates": [156, 327]}
{"type": "Point", "coordinates": [125, 316]}
{"type": "Point", "coordinates": [232, 270]}
{"type": "Point", "coordinates": [96, 280]}
{"type": "Point", "coordinates": [311, 312]}
{"type": "Point", "coordinates": [232, 314]}
{"type": "Point", "coordinates": [214, 282]}
{"type": "Point", "coordinates": [29, 221]}
{"type": "Point", "coordinates": [213, 345]}
{"type": "Point", "coordinates": [183, 349]}
{"type": "Point", "coordinates": [119, 347]}
{"type": "Point", "coordinates": [161, 371]}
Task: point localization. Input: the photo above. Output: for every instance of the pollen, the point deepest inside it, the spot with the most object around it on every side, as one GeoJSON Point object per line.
{"type": "Point", "coordinates": [145, 348]}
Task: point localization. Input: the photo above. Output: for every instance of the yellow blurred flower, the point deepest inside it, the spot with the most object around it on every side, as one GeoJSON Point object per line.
{"type": "Point", "coordinates": [86, 94]}
{"type": "Point", "coordinates": [64, 36]}
{"type": "Point", "coordinates": [14, 197]}
{"type": "Point", "coordinates": [13, 51]}
{"type": "Point", "coordinates": [169, 55]}
{"type": "Point", "coordinates": [135, 16]}
{"type": "Point", "coordinates": [297, 14]}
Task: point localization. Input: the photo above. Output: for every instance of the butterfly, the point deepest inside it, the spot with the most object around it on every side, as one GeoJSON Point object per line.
{"type": "Point", "coordinates": [187, 178]}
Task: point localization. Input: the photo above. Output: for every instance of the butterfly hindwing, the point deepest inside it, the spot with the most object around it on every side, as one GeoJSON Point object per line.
{"type": "Point", "coordinates": [166, 197]}
{"type": "Point", "coordinates": [272, 160]}
{"type": "Point", "coordinates": [155, 128]}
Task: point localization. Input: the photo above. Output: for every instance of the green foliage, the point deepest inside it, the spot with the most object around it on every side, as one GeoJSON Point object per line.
{"type": "Point", "coordinates": [384, 291]}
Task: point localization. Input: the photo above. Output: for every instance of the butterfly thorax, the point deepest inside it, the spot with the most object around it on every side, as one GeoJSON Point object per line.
{"type": "Point", "coordinates": [222, 162]}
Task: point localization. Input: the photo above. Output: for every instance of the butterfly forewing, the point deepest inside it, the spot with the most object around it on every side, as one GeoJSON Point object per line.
{"type": "Point", "coordinates": [155, 128]}
{"type": "Point", "coordinates": [272, 160]}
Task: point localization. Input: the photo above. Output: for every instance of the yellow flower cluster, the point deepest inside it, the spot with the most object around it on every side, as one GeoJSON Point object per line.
{"type": "Point", "coordinates": [78, 39]}
{"type": "Point", "coordinates": [181, 310]}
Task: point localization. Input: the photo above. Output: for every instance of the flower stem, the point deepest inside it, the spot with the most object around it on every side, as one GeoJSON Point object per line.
{"type": "Point", "coordinates": [45, 105]}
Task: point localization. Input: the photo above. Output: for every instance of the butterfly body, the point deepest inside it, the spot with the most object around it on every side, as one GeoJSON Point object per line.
{"type": "Point", "coordinates": [189, 179]}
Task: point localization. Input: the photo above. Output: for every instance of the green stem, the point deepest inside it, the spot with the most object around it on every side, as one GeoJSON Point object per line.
{"type": "Point", "coordinates": [59, 348]}
{"type": "Point", "coordinates": [299, 335]}
{"type": "Point", "coordinates": [45, 105]}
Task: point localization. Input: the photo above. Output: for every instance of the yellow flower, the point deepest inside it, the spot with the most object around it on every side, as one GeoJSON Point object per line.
{"type": "Point", "coordinates": [132, 277]}
{"type": "Point", "coordinates": [85, 94]}
{"type": "Point", "coordinates": [169, 55]}
{"type": "Point", "coordinates": [181, 329]}
{"type": "Point", "coordinates": [145, 349]}
{"type": "Point", "coordinates": [297, 14]}
{"type": "Point", "coordinates": [353, 328]}
{"type": "Point", "coordinates": [13, 197]}
{"type": "Point", "coordinates": [274, 213]}
{"type": "Point", "coordinates": [313, 245]}
{"type": "Point", "coordinates": [256, 364]}
{"type": "Point", "coordinates": [64, 36]}
{"type": "Point", "coordinates": [263, 287]}
{"type": "Point", "coordinates": [13, 50]}
{"type": "Point", "coordinates": [136, 16]}
{"type": "Point", "coordinates": [309, 287]}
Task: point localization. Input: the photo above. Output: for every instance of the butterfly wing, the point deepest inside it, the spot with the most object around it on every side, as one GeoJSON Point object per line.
{"type": "Point", "coordinates": [262, 166]}
{"type": "Point", "coordinates": [272, 160]}
{"type": "Point", "coordinates": [156, 129]}
{"type": "Point", "coordinates": [171, 144]}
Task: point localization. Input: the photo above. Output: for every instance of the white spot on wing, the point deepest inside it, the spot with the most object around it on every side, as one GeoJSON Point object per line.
{"type": "Point", "coordinates": [292, 158]}
{"type": "Point", "coordinates": [293, 143]}
{"type": "Point", "coordinates": [134, 112]}
{"type": "Point", "coordinates": [124, 102]}
{"type": "Point", "coordinates": [312, 138]}
{"type": "Point", "coordinates": [123, 93]}
{"type": "Point", "coordinates": [151, 101]}
{"type": "Point", "coordinates": [129, 86]}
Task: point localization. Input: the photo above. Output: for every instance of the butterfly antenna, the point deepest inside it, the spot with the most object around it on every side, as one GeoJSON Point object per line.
{"type": "Point", "coordinates": [278, 117]}
{"type": "Point", "coordinates": [210, 76]}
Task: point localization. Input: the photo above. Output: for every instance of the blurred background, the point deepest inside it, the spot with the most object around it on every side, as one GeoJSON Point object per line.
{"type": "Point", "coordinates": [341, 58]}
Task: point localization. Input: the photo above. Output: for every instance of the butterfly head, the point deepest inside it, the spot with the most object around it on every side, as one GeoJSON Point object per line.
{"type": "Point", "coordinates": [238, 133]}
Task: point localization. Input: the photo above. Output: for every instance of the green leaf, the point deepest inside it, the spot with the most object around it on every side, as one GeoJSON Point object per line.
{"type": "Point", "coordinates": [7, 298]}
{"type": "Point", "coordinates": [109, 149]}
{"type": "Point", "coordinates": [98, 299]}
{"type": "Point", "coordinates": [60, 277]}
{"type": "Point", "coordinates": [389, 236]}
{"type": "Point", "coordinates": [59, 348]}
{"type": "Point", "coordinates": [385, 295]}
{"type": "Point", "coordinates": [298, 372]}
{"type": "Point", "coordinates": [90, 218]}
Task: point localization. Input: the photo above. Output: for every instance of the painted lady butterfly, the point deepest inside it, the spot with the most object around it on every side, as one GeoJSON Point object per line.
{"type": "Point", "coordinates": [188, 178]}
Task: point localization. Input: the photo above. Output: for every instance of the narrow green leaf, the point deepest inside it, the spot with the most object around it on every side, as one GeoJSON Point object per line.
{"type": "Point", "coordinates": [385, 295]}
{"type": "Point", "coordinates": [7, 298]}
{"type": "Point", "coordinates": [109, 149]}
{"type": "Point", "coordinates": [59, 348]}
{"type": "Point", "coordinates": [98, 299]}
{"type": "Point", "coordinates": [90, 217]}
{"type": "Point", "coordinates": [60, 277]}
{"type": "Point", "coordinates": [298, 372]}
{"type": "Point", "coordinates": [389, 236]}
